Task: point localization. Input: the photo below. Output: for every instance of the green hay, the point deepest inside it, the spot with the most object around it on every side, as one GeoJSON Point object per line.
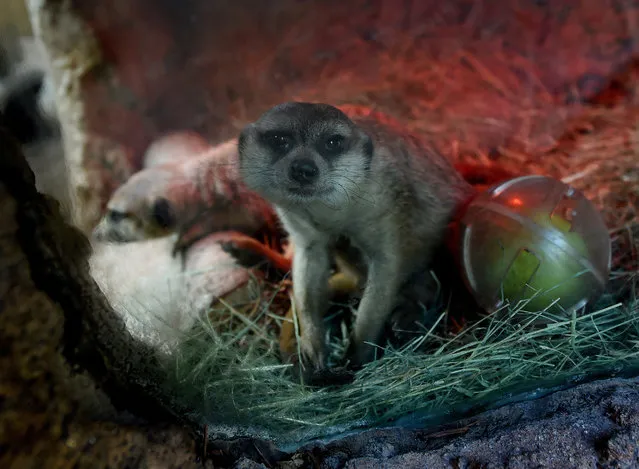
{"type": "Point", "coordinates": [229, 367]}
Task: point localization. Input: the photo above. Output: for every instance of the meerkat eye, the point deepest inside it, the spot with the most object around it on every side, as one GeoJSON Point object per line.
{"type": "Point", "coordinates": [117, 216]}
{"type": "Point", "coordinates": [163, 213]}
{"type": "Point", "coordinates": [333, 144]}
{"type": "Point", "coordinates": [279, 143]}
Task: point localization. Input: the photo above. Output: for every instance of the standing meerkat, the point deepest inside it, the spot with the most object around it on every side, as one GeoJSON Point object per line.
{"type": "Point", "coordinates": [361, 179]}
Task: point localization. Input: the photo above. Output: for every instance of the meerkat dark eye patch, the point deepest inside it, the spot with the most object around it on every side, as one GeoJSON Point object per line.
{"type": "Point", "coordinates": [332, 145]}
{"type": "Point", "coordinates": [163, 213]}
{"type": "Point", "coordinates": [278, 142]}
{"type": "Point", "coordinates": [115, 216]}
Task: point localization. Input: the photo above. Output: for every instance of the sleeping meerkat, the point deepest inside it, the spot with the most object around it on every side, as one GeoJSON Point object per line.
{"type": "Point", "coordinates": [364, 180]}
{"type": "Point", "coordinates": [194, 196]}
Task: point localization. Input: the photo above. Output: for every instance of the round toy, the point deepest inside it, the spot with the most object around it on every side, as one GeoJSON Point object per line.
{"type": "Point", "coordinates": [536, 240]}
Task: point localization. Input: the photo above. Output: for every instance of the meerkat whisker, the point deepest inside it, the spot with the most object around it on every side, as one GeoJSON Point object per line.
{"type": "Point", "coordinates": [355, 191]}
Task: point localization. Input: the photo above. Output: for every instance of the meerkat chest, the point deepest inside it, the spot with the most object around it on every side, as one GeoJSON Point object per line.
{"type": "Point", "coordinates": [369, 236]}
{"type": "Point", "coordinates": [317, 223]}
{"type": "Point", "coordinates": [332, 221]}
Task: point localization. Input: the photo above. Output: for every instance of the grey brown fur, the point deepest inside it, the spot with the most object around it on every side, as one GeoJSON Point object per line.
{"type": "Point", "coordinates": [383, 189]}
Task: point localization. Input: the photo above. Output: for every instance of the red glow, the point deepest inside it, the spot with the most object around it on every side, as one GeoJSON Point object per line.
{"type": "Point", "coordinates": [516, 201]}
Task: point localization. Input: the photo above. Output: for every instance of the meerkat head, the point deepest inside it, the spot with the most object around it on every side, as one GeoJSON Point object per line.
{"type": "Point", "coordinates": [301, 152]}
{"type": "Point", "coordinates": [139, 209]}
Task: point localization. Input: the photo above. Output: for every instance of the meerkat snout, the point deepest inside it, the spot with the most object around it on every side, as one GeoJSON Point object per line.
{"type": "Point", "coordinates": [303, 171]}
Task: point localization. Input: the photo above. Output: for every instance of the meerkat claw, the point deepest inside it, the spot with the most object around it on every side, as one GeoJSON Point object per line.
{"type": "Point", "coordinates": [313, 353]}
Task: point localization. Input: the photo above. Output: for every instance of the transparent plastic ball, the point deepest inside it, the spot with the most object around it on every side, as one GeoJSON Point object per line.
{"type": "Point", "coordinates": [535, 243]}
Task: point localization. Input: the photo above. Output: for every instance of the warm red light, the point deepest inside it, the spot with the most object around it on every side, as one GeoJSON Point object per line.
{"type": "Point", "coordinates": [516, 201]}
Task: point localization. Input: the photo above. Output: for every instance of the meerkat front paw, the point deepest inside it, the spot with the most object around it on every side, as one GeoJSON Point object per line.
{"type": "Point", "coordinates": [314, 351]}
{"type": "Point", "coordinates": [359, 354]}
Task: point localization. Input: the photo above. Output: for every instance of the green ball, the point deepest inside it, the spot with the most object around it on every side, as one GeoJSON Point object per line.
{"type": "Point", "coordinates": [534, 242]}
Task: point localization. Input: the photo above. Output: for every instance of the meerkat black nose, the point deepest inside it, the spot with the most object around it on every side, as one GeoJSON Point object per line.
{"type": "Point", "coordinates": [303, 171]}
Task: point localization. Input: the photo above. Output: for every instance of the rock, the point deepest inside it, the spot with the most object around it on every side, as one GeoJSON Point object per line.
{"type": "Point", "coordinates": [591, 425]}
{"type": "Point", "coordinates": [245, 463]}
{"type": "Point", "coordinates": [58, 406]}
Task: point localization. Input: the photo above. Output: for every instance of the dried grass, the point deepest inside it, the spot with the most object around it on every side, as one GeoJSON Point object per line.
{"type": "Point", "coordinates": [231, 369]}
